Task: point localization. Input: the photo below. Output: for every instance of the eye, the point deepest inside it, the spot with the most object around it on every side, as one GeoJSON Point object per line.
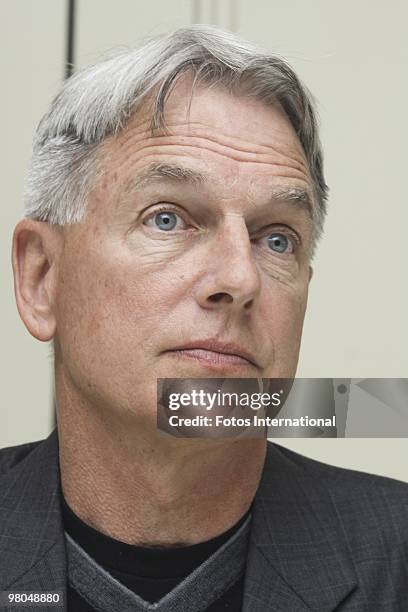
{"type": "Point", "coordinates": [280, 243]}
{"type": "Point", "coordinates": [165, 221]}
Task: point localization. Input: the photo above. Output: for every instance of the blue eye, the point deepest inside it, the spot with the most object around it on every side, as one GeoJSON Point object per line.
{"type": "Point", "coordinates": [165, 220]}
{"type": "Point", "coordinates": [279, 243]}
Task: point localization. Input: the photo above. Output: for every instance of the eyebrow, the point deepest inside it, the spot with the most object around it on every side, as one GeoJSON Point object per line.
{"type": "Point", "coordinates": [298, 195]}
{"type": "Point", "coordinates": [160, 171]}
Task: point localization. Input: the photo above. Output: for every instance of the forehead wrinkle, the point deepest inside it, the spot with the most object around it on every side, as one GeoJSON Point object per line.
{"type": "Point", "coordinates": [213, 145]}
{"type": "Point", "coordinates": [284, 145]}
{"type": "Point", "coordinates": [281, 170]}
{"type": "Point", "coordinates": [196, 130]}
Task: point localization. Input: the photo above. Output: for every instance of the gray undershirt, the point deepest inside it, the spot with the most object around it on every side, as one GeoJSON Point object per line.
{"type": "Point", "coordinates": [195, 593]}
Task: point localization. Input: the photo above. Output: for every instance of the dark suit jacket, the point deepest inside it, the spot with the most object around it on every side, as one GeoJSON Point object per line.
{"type": "Point", "coordinates": [322, 538]}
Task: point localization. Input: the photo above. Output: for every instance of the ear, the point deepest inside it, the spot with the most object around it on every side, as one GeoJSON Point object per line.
{"type": "Point", "coordinates": [35, 251]}
{"type": "Point", "coordinates": [310, 273]}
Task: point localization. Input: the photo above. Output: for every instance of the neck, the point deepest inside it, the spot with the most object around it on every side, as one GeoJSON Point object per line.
{"type": "Point", "coordinates": [140, 487]}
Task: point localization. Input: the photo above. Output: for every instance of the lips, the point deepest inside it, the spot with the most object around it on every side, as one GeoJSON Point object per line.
{"type": "Point", "coordinates": [215, 352]}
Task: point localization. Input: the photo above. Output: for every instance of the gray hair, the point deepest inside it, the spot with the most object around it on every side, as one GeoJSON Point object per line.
{"type": "Point", "coordinates": [98, 101]}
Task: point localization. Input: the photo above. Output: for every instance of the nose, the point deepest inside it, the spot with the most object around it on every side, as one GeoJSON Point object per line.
{"type": "Point", "coordinates": [231, 278]}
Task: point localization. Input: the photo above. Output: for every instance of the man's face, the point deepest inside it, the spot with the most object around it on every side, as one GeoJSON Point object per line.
{"type": "Point", "coordinates": [189, 243]}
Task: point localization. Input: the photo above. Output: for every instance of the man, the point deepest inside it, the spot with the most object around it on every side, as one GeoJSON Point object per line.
{"type": "Point", "coordinates": [174, 201]}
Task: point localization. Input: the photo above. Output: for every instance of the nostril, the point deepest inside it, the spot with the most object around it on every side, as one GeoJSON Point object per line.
{"type": "Point", "coordinates": [218, 297]}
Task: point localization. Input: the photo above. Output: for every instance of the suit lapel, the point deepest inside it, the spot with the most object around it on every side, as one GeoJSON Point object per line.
{"type": "Point", "coordinates": [265, 589]}
{"type": "Point", "coordinates": [32, 549]}
{"type": "Point", "coordinates": [297, 558]}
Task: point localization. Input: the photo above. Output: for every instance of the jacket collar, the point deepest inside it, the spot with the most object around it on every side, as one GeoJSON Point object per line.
{"type": "Point", "coordinates": [32, 549]}
{"type": "Point", "coordinates": [298, 557]}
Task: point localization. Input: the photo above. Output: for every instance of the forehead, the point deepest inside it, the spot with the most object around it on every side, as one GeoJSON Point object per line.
{"type": "Point", "coordinates": [236, 115]}
{"type": "Point", "coordinates": [243, 120]}
{"type": "Point", "coordinates": [235, 141]}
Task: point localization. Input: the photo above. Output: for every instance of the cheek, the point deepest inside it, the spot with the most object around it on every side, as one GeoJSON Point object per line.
{"type": "Point", "coordinates": [282, 312]}
{"type": "Point", "coordinates": [291, 314]}
{"type": "Point", "coordinates": [103, 323]}
{"type": "Point", "coordinates": [114, 306]}
{"type": "Point", "coordinates": [112, 315]}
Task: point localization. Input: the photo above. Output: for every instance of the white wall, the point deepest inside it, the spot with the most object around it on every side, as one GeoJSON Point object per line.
{"type": "Point", "coordinates": [353, 56]}
{"type": "Point", "coordinates": [32, 35]}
